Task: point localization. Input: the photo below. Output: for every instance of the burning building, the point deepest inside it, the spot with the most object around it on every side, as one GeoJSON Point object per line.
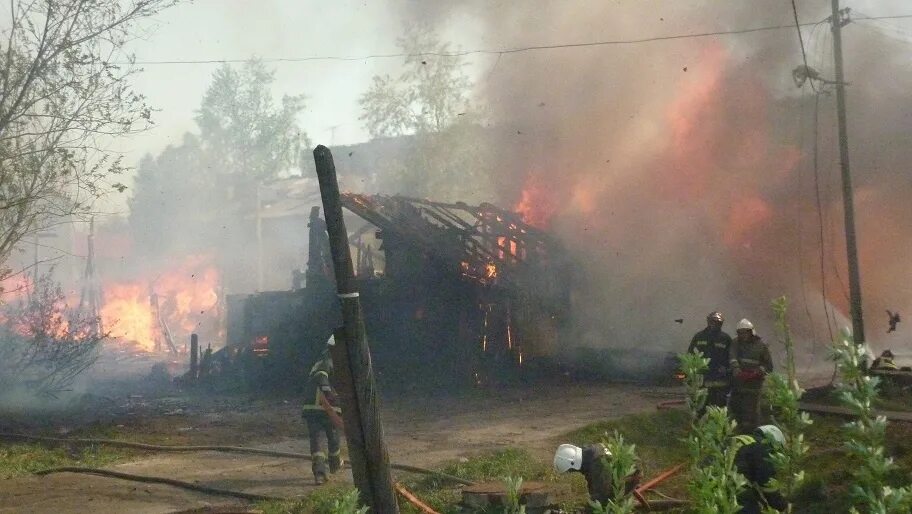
{"type": "Point", "coordinates": [453, 294]}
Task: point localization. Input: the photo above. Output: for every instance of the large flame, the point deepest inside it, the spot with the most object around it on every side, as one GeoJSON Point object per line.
{"type": "Point", "coordinates": [187, 299]}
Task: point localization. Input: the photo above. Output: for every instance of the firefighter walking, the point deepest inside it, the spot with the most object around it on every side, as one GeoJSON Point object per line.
{"type": "Point", "coordinates": [750, 363]}
{"type": "Point", "coordinates": [714, 345]}
{"type": "Point", "coordinates": [320, 396]}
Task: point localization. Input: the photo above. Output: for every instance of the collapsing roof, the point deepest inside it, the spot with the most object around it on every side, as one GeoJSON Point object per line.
{"type": "Point", "coordinates": [485, 243]}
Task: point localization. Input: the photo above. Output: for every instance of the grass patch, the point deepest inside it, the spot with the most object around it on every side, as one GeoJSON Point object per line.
{"type": "Point", "coordinates": [319, 502]}
{"type": "Point", "coordinates": [658, 437]}
{"type": "Point", "coordinates": [24, 459]}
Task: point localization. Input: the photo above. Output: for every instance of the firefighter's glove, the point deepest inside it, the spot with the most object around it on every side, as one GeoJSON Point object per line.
{"type": "Point", "coordinates": [750, 375]}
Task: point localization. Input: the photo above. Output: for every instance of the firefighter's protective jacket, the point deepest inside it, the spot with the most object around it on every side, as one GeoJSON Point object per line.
{"type": "Point", "coordinates": [752, 357]}
{"type": "Point", "coordinates": [319, 387]}
{"type": "Point", "coordinates": [714, 345]}
{"type": "Point", "coordinates": [597, 470]}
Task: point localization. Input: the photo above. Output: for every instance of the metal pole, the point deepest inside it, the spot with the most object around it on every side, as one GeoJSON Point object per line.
{"type": "Point", "coordinates": [361, 413]}
{"type": "Point", "coordinates": [847, 198]}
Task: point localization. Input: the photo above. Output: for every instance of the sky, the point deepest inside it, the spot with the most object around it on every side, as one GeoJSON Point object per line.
{"type": "Point", "coordinates": [240, 29]}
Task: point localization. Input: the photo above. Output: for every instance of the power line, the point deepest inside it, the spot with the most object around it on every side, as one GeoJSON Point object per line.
{"type": "Point", "coordinates": [463, 53]}
{"type": "Point", "coordinates": [820, 215]}
{"type": "Point", "coordinates": [801, 41]}
{"type": "Point", "coordinates": [894, 17]}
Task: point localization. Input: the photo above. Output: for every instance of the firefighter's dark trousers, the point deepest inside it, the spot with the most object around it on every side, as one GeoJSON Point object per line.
{"type": "Point", "coordinates": [320, 427]}
{"type": "Point", "coordinates": [744, 406]}
{"type": "Point", "coordinates": [715, 396]}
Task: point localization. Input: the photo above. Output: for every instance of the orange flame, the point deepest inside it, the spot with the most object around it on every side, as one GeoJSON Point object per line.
{"type": "Point", "coordinates": [187, 297]}
{"type": "Point", "coordinates": [535, 205]}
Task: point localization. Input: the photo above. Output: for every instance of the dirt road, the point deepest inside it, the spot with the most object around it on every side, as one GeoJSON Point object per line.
{"type": "Point", "coordinates": [420, 431]}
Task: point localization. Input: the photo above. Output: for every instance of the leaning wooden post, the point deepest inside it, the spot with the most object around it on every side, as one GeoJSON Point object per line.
{"type": "Point", "coordinates": [363, 429]}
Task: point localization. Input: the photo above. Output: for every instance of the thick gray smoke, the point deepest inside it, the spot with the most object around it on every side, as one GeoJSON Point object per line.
{"type": "Point", "coordinates": [680, 171]}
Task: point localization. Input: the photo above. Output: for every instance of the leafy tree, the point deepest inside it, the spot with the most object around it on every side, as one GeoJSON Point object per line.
{"type": "Point", "coordinates": [189, 192]}
{"type": "Point", "coordinates": [64, 91]}
{"type": "Point", "coordinates": [242, 128]}
{"type": "Point", "coordinates": [428, 96]}
{"type": "Point", "coordinates": [428, 103]}
{"type": "Point", "coordinates": [174, 202]}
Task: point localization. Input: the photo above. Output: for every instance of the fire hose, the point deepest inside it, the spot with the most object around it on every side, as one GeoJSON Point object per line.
{"type": "Point", "coordinates": [224, 449]}
{"type": "Point", "coordinates": [652, 506]}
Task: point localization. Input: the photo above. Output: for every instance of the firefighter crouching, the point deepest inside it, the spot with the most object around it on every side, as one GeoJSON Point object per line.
{"type": "Point", "coordinates": [318, 392]}
{"type": "Point", "coordinates": [593, 462]}
{"type": "Point", "coordinates": [884, 362]}
{"type": "Point", "coordinates": [753, 461]}
{"type": "Point", "coordinates": [714, 345]}
{"type": "Point", "coordinates": [750, 363]}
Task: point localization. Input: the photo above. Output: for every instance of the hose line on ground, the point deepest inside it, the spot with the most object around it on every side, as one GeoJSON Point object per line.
{"type": "Point", "coordinates": [158, 480]}
{"type": "Point", "coordinates": [225, 449]}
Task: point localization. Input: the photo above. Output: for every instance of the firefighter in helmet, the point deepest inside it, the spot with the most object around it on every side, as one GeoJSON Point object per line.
{"type": "Point", "coordinates": [753, 461]}
{"type": "Point", "coordinates": [884, 362]}
{"type": "Point", "coordinates": [714, 345]}
{"type": "Point", "coordinates": [321, 396]}
{"type": "Point", "coordinates": [594, 462]}
{"type": "Point", "coordinates": [750, 362]}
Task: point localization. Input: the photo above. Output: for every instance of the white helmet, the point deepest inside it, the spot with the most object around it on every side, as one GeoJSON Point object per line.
{"type": "Point", "coordinates": [331, 341]}
{"type": "Point", "coordinates": [568, 457]}
{"type": "Point", "coordinates": [745, 324]}
{"type": "Point", "coordinates": [772, 432]}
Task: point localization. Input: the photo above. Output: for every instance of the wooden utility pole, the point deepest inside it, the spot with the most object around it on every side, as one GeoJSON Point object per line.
{"type": "Point", "coordinates": [360, 412]}
{"type": "Point", "coordinates": [848, 202]}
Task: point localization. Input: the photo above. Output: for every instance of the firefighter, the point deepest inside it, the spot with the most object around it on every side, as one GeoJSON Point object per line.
{"type": "Point", "coordinates": [594, 462]}
{"type": "Point", "coordinates": [316, 418]}
{"type": "Point", "coordinates": [753, 461]}
{"type": "Point", "coordinates": [714, 344]}
{"type": "Point", "coordinates": [884, 362]}
{"type": "Point", "coordinates": [750, 363]}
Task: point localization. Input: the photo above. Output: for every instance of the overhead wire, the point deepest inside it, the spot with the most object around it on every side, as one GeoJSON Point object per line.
{"type": "Point", "coordinates": [819, 205]}
{"type": "Point", "coordinates": [799, 231]}
{"type": "Point", "coordinates": [463, 53]}
{"type": "Point", "coordinates": [521, 49]}
{"type": "Point", "coordinates": [801, 42]}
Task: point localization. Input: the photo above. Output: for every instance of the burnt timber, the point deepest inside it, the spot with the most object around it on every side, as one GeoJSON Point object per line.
{"type": "Point", "coordinates": [466, 295]}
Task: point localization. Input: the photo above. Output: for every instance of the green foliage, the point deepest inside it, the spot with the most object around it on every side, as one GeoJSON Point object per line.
{"type": "Point", "coordinates": [209, 183]}
{"type": "Point", "coordinates": [327, 499]}
{"type": "Point", "coordinates": [783, 394]}
{"type": "Point", "coordinates": [514, 495]}
{"type": "Point", "coordinates": [427, 97]}
{"type": "Point", "coordinates": [623, 464]}
{"type": "Point", "coordinates": [693, 365]}
{"type": "Point", "coordinates": [24, 459]}
{"type": "Point", "coordinates": [866, 435]}
{"type": "Point", "coordinates": [65, 91]}
{"type": "Point", "coordinates": [348, 504]}
{"type": "Point", "coordinates": [44, 343]}
{"type": "Point", "coordinates": [714, 480]}
{"type": "Point", "coordinates": [243, 130]}
{"type": "Point", "coordinates": [446, 156]}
